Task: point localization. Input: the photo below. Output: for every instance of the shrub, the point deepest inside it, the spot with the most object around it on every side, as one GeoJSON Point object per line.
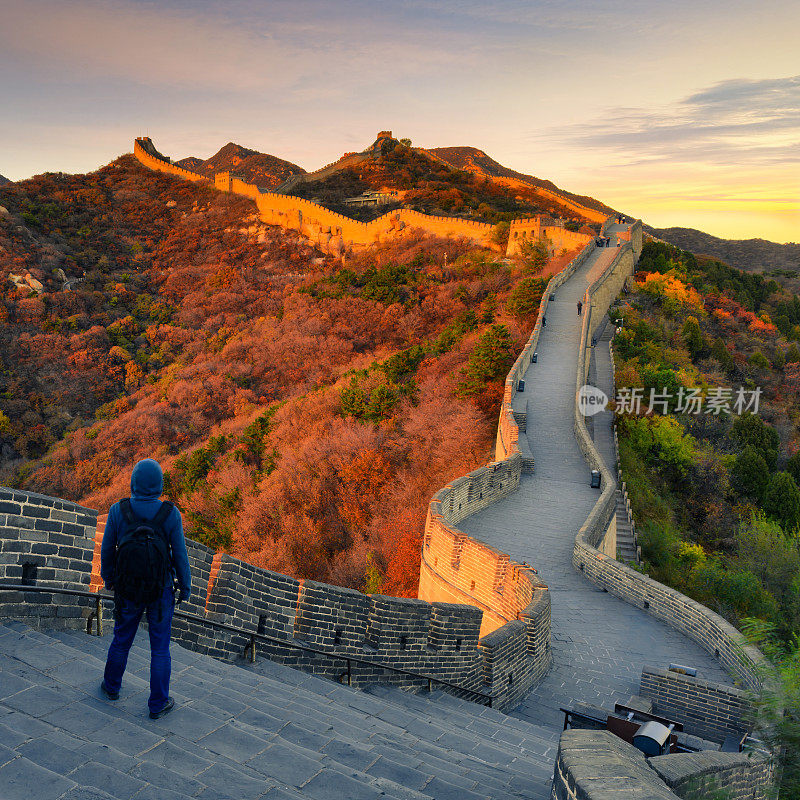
{"type": "Point", "coordinates": [749, 429]}
{"type": "Point", "coordinates": [693, 336]}
{"type": "Point", "coordinates": [758, 360]}
{"type": "Point", "coordinates": [535, 255]}
{"type": "Point", "coordinates": [782, 501]}
{"type": "Point", "coordinates": [722, 354]}
{"type": "Point", "coordinates": [750, 474]}
{"type": "Point", "coordinates": [793, 467]}
{"type": "Point", "coordinates": [778, 702]}
{"type": "Point", "coordinates": [525, 299]}
{"type": "Point", "coordinates": [500, 234]}
{"type": "Point", "coordinates": [490, 359]}
{"type": "Point", "coordinates": [662, 441]}
{"type": "Point", "coordinates": [370, 400]}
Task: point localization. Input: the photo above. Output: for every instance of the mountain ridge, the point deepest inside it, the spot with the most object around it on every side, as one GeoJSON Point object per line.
{"type": "Point", "coordinates": [275, 173]}
{"type": "Point", "coordinates": [256, 167]}
{"type": "Point", "coordinates": [743, 254]}
{"type": "Point", "coordinates": [475, 160]}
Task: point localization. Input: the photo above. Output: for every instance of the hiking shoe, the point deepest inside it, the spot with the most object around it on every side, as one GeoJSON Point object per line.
{"type": "Point", "coordinates": [107, 692]}
{"type": "Point", "coordinates": [168, 706]}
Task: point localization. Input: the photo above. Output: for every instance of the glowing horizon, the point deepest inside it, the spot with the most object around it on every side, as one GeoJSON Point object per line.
{"type": "Point", "coordinates": [682, 115]}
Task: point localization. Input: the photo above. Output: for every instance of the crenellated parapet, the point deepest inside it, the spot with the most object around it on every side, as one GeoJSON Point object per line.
{"type": "Point", "coordinates": [145, 151]}
{"type": "Point", "coordinates": [462, 569]}
{"type": "Point", "coordinates": [334, 233]}
{"type": "Point", "coordinates": [539, 228]}
{"type": "Point", "coordinates": [52, 542]}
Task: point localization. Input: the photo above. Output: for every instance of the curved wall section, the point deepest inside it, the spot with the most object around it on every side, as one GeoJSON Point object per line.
{"type": "Point", "coordinates": [458, 568]}
{"type": "Point", "coordinates": [49, 542]}
{"type": "Point", "coordinates": [693, 619]}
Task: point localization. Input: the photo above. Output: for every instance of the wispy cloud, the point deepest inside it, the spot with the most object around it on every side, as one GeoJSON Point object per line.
{"type": "Point", "coordinates": [216, 50]}
{"type": "Point", "coordinates": [753, 122]}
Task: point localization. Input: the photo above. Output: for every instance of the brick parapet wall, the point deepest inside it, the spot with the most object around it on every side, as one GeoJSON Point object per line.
{"type": "Point", "coordinates": [458, 568]}
{"type": "Point", "coordinates": [44, 539]}
{"type": "Point", "coordinates": [699, 623]}
{"type": "Point", "coordinates": [705, 708]}
{"type": "Point", "coordinates": [596, 765]}
{"type": "Point", "coordinates": [534, 228]}
{"type": "Point", "coordinates": [734, 776]}
{"type": "Point", "coordinates": [439, 639]}
{"type": "Point", "coordinates": [332, 231]}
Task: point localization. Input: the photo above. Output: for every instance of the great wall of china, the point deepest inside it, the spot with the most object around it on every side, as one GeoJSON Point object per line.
{"type": "Point", "coordinates": [483, 621]}
{"type": "Point", "coordinates": [335, 233]}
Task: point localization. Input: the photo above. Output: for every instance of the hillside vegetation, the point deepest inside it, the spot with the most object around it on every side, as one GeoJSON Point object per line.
{"type": "Point", "coordinates": [471, 159]}
{"type": "Point", "coordinates": [715, 495]}
{"type": "Point", "coordinates": [304, 409]}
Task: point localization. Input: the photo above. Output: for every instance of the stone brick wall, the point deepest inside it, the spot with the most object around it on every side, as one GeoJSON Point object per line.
{"type": "Point", "coordinates": [334, 233]}
{"type": "Point", "coordinates": [736, 776]}
{"type": "Point", "coordinates": [708, 629]}
{"type": "Point", "coordinates": [43, 539]}
{"type": "Point", "coordinates": [596, 765]}
{"type": "Point", "coordinates": [53, 542]}
{"type": "Point", "coordinates": [535, 228]}
{"type": "Point", "coordinates": [457, 568]}
{"type": "Point", "coordinates": [706, 708]}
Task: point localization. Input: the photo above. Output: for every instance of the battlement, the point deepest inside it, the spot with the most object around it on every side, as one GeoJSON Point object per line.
{"type": "Point", "coordinates": [44, 540]}
{"type": "Point", "coordinates": [542, 228]}
{"type": "Point", "coordinates": [145, 151]}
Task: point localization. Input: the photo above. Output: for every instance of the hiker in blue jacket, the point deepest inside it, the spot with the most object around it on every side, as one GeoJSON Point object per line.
{"type": "Point", "coordinates": [145, 508]}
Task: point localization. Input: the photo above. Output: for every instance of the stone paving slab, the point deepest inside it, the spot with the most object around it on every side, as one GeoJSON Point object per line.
{"type": "Point", "coordinates": [335, 739]}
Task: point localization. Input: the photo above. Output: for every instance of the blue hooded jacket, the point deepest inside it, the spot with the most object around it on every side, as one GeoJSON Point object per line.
{"type": "Point", "coordinates": [147, 483]}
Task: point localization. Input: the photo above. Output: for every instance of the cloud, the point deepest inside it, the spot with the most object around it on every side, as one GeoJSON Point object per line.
{"type": "Point", "coordinates": [231, 48]}
{"type": "Point", "coordinates": [752, 122]}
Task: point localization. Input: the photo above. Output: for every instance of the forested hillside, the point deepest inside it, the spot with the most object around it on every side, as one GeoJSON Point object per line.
{"type": "Point", "coordinates": [305, 409]}
{"type": "Point", "coordinates": [750, 255]}
{"type": "Point", "coordinates": [714, 490]}
{"type": "Point", "coordinates": [260, 168]}
{"type": "Point", "coordinates": [430, 185]}
{"type": "Point", "coordinates": [471, 159]}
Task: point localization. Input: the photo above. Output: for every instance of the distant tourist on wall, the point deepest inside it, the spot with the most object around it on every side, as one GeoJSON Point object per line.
{"type": "Point", "coordinates": [142, 555]}
{"type": "Point", "coordinates": [580, 307]}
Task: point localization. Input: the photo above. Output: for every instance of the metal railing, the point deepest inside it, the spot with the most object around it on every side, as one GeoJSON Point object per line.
{"type": "Point", "coordinates": [96, 619]}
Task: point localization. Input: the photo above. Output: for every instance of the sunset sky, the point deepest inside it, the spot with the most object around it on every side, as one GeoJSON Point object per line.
{"type": "Point", "coordinates": [681, 113]}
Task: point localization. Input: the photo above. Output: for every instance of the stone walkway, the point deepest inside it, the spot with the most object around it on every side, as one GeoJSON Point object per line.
{"type": "Point", "coordinates": [600, 643]}
{"type": "Point", "coordinates": [264, 733]}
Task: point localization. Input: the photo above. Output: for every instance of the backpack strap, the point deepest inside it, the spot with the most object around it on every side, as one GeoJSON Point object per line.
{"type": "Point", "coordinates": [127, 511]}
{"type": "Point", "coordinates": [161, 517]}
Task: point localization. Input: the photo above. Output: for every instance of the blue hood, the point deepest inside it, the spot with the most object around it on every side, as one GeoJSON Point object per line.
{"type": "Point", "coordinates": [147, 480]}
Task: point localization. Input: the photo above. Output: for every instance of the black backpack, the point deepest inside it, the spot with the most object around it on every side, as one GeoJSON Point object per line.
{"type": "Point", "coordinates": [143, 565]}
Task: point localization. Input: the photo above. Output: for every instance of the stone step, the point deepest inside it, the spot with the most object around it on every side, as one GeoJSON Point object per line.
{"type": "Point", "coordinates": [243, 731]}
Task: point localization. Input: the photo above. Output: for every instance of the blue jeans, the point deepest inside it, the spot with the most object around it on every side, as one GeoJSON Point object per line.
{"type": "Point", "coordinates": [159, 625]}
